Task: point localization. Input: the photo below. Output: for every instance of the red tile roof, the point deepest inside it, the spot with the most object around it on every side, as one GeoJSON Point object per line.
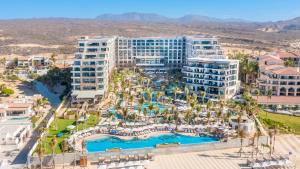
{"type": "Point", "coordinates": [288, 100]}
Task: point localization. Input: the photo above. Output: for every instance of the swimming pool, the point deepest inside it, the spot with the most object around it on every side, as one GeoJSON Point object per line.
{"type": "Point", "coordinates": [109, 142]}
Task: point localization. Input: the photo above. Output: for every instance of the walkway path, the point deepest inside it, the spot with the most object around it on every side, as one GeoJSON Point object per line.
{"type": "Point", "coordinates": [218, 159]}
{"type": "Point", "coordinates": [289, 143]}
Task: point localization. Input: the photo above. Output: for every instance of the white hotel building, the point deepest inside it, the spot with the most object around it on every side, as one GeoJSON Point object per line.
{"type": "Point", "coordinates": [200, 58]}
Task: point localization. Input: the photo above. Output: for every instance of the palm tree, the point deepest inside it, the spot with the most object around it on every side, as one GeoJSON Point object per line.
{"type": "Point", "coordinates": [289, 62]}
{"type": "Point", "coordinates": [188, 116]}
{"type": "Point", "coordinates": [156, 112]}
{"type": "Point", "coordinates": [187, 93]}
{"type": "Point", "coordinates": [148, 82]}
{"type": "Point", "coordinates": [150, 94]}
{"type": "Point", "coordinates": [158, 96]}
{"type": "Point", "coordinates": [76, 119]}
{"type": "Point", "coordinates": [131, 99]}
{"type": "Point", "coordinates": [219, 114]}
{"type": "Point", "coordinates": [258, 134]}
{"type": "Point", "coordinates": [208, 116]}
{"type": "Point", "coordinates": [150, 107]}
{"type": "Point", "coordinates": [74, 144]}
{"type": "Point", "coordinates": [276, 131]}
{"type": "Point", "coordinates": [257, 93]}
{"type": "Point", "coordinates": [202, 95]}
{"type": "Point", "coordinates": [124, 112]}
{"type": "Point", "coordinates": [53, 58]}
{"type": "Point", "coordinates": [53, 144]}
{"type": "Point", "coordinates": [145, 112]}
{"type": "Point", "coordinates": [98, 114]}
{"type": "Point", "coordinates": [40, 151]}
{"type": "Point", "coordinates": [64, 149]}
{"type": "Point", "coordinates": [175, 91]}
{"type": "Point", "coordinates": [242, 135]}
{"type": "Point", "coordinates": [111, 115]}
{"type": "Point", "coordinates": [208, 105]}
{"type": "Point", "coordinates": [269, 94]}
{"type": "Point", "coordinates": [271, 135]}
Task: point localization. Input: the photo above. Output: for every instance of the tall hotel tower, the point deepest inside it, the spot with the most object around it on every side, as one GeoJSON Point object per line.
{"type": "Point", "coordinates": [200, 58]}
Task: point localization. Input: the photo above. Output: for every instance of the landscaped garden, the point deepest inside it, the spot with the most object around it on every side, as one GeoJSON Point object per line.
{"type": "Point", "coordinates": [285, 123]}
{"type": "Point", "coordinates": [59, 130]}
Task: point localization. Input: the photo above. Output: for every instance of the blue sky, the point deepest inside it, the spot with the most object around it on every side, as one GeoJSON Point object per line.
{"type": "Point", "coordinates": [255, 10]}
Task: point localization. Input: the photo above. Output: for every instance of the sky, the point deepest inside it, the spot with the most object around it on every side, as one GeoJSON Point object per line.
{"type": "Point", "coordinates": [252, 10]}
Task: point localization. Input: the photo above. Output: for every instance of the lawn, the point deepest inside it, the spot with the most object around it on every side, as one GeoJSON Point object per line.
{"type": "Point", "coordinates": [62, 125]}
{"type": "Point", "coordinates": [286, 123]}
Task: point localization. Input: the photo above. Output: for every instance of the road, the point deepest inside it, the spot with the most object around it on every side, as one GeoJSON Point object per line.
{"type": "Point", "coordinates": [21, 158]}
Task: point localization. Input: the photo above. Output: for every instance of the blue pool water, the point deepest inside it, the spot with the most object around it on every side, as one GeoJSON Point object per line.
{"type": "Point", "coordinates": [103, 144]}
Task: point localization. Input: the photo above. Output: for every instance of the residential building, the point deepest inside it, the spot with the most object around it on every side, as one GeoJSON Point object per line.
{"type": "Point", "coordinates": [96, 57]}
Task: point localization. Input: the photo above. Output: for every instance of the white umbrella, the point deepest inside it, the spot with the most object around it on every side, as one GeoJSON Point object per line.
{"type": "Point", "coordinates": [70, 127]}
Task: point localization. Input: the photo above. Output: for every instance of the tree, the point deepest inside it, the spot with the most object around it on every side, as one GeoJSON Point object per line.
{"type": "Point", "coordinates": [40, 152]}
{"type": "Point", "coordinates": [242, 135]}
{"type": "Point", "coordinates": [53, 58]}
{"type": "Point", "coordinates": [202, 95]}
{"type": "Point", "coordinates": [53, 144]}
{"type": "Point", "coordinates": [208, 116]}
{"type": "Point", "coordinates": [7, 91]}
{"type": "Point", "coordinates": [33, 119]}
{"type": "Point", "coordinates": [64, 148]}
{"type": "Point", "coordinates": [111, 116]}
{"type": "Point", "coordinates": [176, 90]}
{"type": "Point", "coordinates": [76, 119]}
{"type": "Point", "coordinates": [150, 94]}
{"type": "Point", "coordinates": [289, 62]}
{"type": "Point", "coordinates": [269, 94]}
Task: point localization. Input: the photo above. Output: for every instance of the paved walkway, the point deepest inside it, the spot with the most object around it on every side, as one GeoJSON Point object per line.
{"type": "Point", "coordinates": [289, 143]}
{"type": "Point", "coordinates": [218, 159]}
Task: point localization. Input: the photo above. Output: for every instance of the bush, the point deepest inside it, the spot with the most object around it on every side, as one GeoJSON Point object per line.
{"type": "Point", "coordinates": [7, 92]}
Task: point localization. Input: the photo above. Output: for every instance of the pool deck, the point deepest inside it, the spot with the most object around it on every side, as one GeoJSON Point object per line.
{"type": "Point", "coordinates": [153, 134]}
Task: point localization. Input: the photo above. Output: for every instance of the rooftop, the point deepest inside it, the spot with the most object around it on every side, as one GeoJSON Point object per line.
{"type": "Point", "coordinates": [288, 100]}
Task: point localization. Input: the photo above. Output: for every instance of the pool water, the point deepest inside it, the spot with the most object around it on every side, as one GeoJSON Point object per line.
{"type": "Point", "coordinates": [103, 144]}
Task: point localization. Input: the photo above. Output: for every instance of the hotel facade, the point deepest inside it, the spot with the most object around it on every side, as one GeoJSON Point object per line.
{"type": "Point", "coordinates": [200, 59]}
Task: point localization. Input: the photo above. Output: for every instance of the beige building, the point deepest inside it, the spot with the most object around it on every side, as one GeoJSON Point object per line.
{"type": "Point", "coordinates": [273, 75]}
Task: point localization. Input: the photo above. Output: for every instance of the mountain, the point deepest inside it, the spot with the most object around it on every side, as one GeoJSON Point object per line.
{"type": "Point", "coordinates": [282, 26]}
{"type": "Point", "coordinates": [152, 17]}
{"type": "Point", "coordinates": [133, 16]}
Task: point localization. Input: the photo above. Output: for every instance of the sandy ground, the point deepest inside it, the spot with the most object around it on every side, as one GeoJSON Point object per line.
{"type": "Point", "coordinates": [20, 88]}
{"type": "Point", "coordinates": [32, 45]}
{"type": "Point", "coordinates": [229, 158]}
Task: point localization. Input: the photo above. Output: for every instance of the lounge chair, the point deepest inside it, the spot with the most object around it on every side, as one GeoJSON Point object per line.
{"type": "Point", "coordinates": [102, 166]}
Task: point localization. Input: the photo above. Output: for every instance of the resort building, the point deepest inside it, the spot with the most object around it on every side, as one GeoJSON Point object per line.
{"type": "Point", "coordinates": [244, 123]}
{"type": "Point", "coordinates": [273, 75]}
{"type": "Point", "coordinates": [14, 132]}
{"type": "Point", "coordinates": [154, 54]}
{"type": "Point", "coordinates": [96, 57]}
{"type": "Point", "coordinates": [207, 69]}
{"type": "Point", "coordinates": [35, 64]}
{"type": "Point", "coordinates": [283, 81]}
{"type": "Point", "coordinates": [94, 62]}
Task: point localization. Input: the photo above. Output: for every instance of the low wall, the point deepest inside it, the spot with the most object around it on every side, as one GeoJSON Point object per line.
{"type": "Point", "coordinates": [68, 158]}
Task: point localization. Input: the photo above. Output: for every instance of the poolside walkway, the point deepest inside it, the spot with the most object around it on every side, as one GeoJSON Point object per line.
{"type": "Point", "coordinates": [289, 143]}
{"type": "Point", "coordinates": [218, 159]}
